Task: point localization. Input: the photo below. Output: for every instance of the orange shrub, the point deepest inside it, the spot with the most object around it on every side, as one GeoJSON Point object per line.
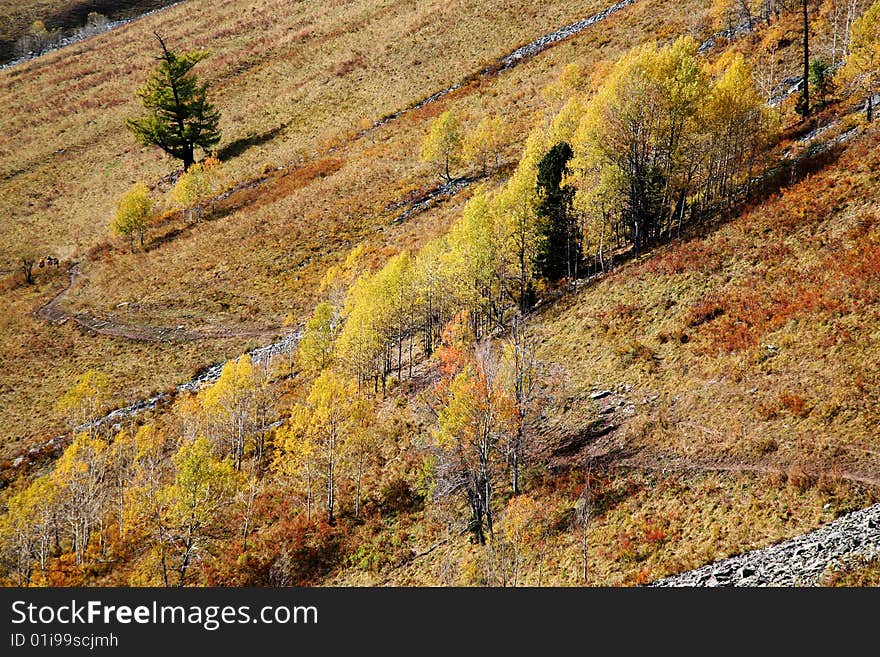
{"type": "Point", "coordinates": [794, 404]}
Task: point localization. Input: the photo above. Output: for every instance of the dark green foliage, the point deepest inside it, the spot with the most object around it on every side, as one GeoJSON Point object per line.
{"type": "Point", "coordinates": [803, 103]}
{"type": "Point", "coordinates": [560, 251]}
{"type": "Point", "coordinates": [179, 117]}
{"type": "Point", "coordinates": [644, 206]}
{"type": "Point", "coordinates": [821, 74]}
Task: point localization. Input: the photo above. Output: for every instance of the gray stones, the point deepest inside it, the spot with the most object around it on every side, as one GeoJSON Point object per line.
{"type": "Point", "coordinates": [435, 196]}
{"type": "Point", "coordinates": [799, 561]}
{"type": "Point", "coordinates": [260, 356]}
{"type": "Point", "coordinates": [538, 45]}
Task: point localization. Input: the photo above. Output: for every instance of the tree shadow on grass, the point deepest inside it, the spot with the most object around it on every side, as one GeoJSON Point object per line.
{"type": "Point", "coordinates": [239, 146]}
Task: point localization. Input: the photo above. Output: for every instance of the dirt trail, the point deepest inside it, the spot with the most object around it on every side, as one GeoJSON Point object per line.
{"type": "Point", "coordinates": [669, 462]}
{"type": "Point", "coordinates": [52, 312]}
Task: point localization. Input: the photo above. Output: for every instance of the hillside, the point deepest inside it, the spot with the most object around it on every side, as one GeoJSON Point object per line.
{"type": "Point", "coordinates": [460, 411]}
{"type": "Point", "coordinates": [262, 262]}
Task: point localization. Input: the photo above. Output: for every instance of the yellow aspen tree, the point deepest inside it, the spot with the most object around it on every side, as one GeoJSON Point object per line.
{"type": "Point", "coordinates": [862, 67]}
{"type": "Point", "coordinates": [394, 283]}
{"type": "Point", "coordinates": [81, 404]}
{"type": "Point", "coordinates": [475, 263]}
{"type": "Point", "coordinates": [331, 423]}
{"type": "Point", "coordinates": [296, 456]}
{"type": "Point", "coordinates": [637, 132]}
{"type": "Point", "coordinates": [188, 417]}
{"type": "Point", "coordinates": [194, 504]}
{"type": "Point", "coordinates": [197, 186]}
{"type": "Point", "coordinates": [569, 83]}
{"type": "Point", "coordinates": [595, 202]}
{"type": "Point", "coordinates": [443, 143]}
{"type": "Point", "coordinates": [470, 430]}
{"type": "Point", "coordinates": [565, 123]}
{"type": "Point", "coordinates": [229, 406]}
{"type": "Point", "coordinates": [27, 530]}
{"type": "Point", "coordinates": [360, 344]}
{"type": "Point", "coordinates": [484, 143]}
{"type": "Point", "coordinates": [315, 349]}
{"type": "Point", "coordinates": [120, 464]}
{"type": "Point", "coordinates": [377, 313]}
{"type": "Point", "coordinates": [80, 476]}
{"type": "Point", "coordinates": [735, 120]}
{"type": "Point", "coordinates": [339, 278]}
{"type": "Point", "coordinates": [144, 505]}
{"type": "Point", "coordinates": [133, 209]}
{"type": "Point", "coordinates": [360, 444]}
{"type": "Point", "coordinates": [517, 205]}
{"type": "Point", "coordinates": [431, 287]}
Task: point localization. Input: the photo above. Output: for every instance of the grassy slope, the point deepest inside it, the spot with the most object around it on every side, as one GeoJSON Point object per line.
{"type": "Point", "coordinates": [761, 340]}
{"type": "Point", "coordinates": [715, 398]}
{"type": "Point", "coordinates": [647, 525]}
{"type": "Point", "coordinates": [311, 67]}
{"type": "Point", "coordinates": [259, 263]}
{"type": "Point", "coordinates": [731, 446]}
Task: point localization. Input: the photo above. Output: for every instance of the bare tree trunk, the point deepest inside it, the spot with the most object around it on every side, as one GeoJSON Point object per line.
{"type": "Point", "coordinates": [252, 493]}
{"type": "Point", "coordinates": [806, 95]}
{"type": "Point", "coordinates": [309, 497]}
{"type": "Point", "coordinates": [357, 494]}
{"type": "Point", "coordinates": [331, 488]}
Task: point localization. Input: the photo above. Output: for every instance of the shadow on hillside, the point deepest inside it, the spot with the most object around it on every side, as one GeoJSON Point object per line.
{"type": "Point", "coordinates": [573, 444]}
{"type": "Point", "coordinates": [775, 179]}
{"type": "Point", "coordinates": [239, 146]}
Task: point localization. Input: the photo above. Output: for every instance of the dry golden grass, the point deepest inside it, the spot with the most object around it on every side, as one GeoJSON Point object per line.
{"type": "Point", "coordinates": [646, 526]}
{"type": "Point", "coordinates": [255, 255]}
{"type": "Point", "coordinates": [312, 67]}
{"type": "Point", "coordinates": [259, 260]}
{"type": "Point", "coordinates": [757, 343]}
{"type": "Point", "coordinates": [863, 574]}
{"type": "Point", "coordinates": [40, 361]}
{"type": "Point", "coordinates": [688, 327]}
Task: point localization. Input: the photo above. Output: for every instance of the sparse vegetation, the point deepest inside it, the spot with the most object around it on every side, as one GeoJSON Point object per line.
{"type": "Point", "coordinates": [133, 209]}
{"type": "Point", "coordinates": [453, 416]}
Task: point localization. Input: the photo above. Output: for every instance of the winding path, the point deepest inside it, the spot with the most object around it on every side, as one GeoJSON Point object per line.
{"type": "Point", "coordinates": [52, 312]}
{"type": "Point", "coordinates": [802, 560]}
